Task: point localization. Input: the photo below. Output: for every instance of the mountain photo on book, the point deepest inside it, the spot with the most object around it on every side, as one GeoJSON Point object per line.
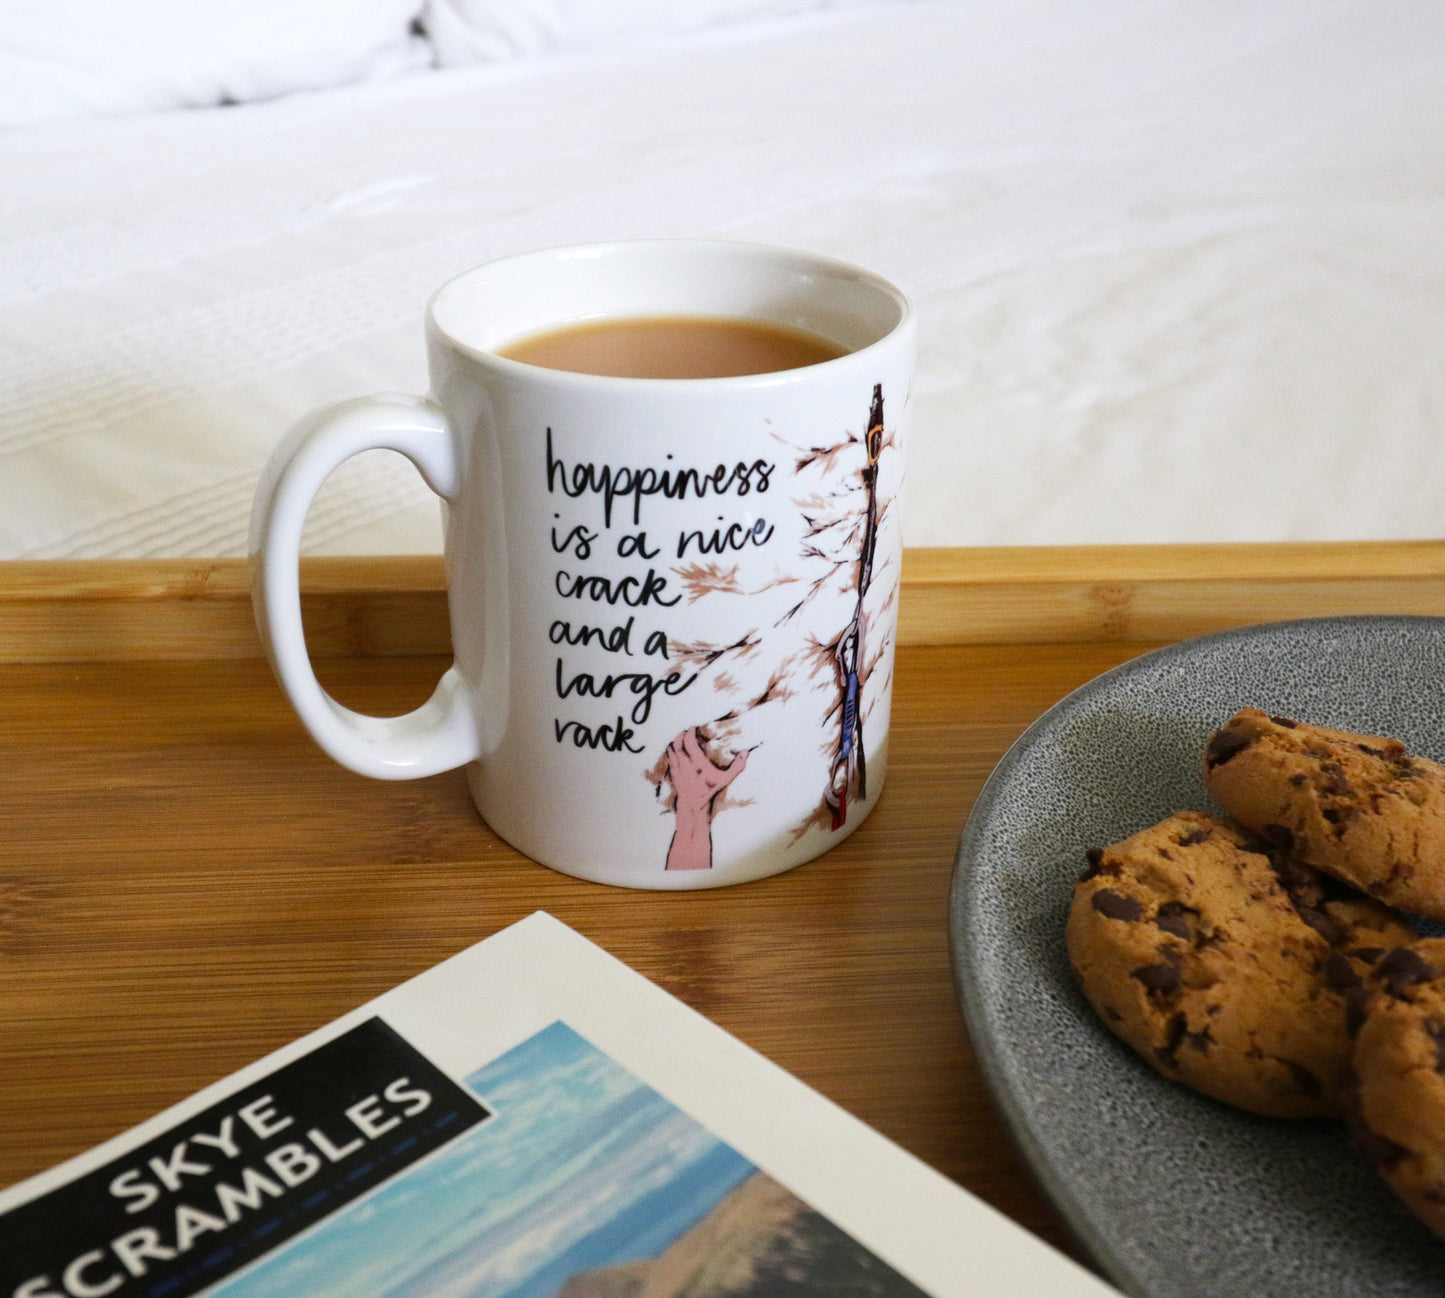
{"type": "Point", "coordinates": [761, 1240]}
{"type": "Point", "coordinates": [584, 1183]}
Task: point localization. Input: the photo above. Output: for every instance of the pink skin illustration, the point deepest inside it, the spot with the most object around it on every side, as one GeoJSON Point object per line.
{"type": "Point", "coordinates": [696, 780]}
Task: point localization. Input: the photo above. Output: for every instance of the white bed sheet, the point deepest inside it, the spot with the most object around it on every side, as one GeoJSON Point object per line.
{"type": "Point", "coordinates": [1180, 268]}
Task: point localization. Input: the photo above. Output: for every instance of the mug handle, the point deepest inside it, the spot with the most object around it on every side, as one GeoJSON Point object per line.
{"type": "Point", "coordinates": [442, 733]}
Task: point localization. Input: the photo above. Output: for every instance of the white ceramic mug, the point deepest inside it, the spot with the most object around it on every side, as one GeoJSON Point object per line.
{"type": "Point", "coordinates": [673, 601]}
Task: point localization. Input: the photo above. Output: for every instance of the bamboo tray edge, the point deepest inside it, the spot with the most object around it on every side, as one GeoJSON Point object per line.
{"type": "Point", "coordinates": [121, 609]}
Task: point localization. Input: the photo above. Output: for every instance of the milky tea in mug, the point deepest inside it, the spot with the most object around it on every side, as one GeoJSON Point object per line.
{"type": "Point", "coordinates": [673, 347]}
{"type": "Point", "coordinates": [673, 584]}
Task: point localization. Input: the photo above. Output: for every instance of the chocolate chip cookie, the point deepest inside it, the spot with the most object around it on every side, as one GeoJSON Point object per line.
{"type": "Point", "coordinates": [1395, 1097]}
{"type": "Point", "coordinates": [1356, 806]}
{"type": "Point", "coordinates": [1225, 965]}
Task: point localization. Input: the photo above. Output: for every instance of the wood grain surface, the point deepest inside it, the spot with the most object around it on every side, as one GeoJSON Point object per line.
{"type": "Point", "coordinates": [186, 883]}
{"type": "Point", "coordinates": [92, 611]}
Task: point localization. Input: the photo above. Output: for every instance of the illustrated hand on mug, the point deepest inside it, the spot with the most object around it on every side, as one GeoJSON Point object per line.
{"type": "Point", "coordinates": [673, 584]}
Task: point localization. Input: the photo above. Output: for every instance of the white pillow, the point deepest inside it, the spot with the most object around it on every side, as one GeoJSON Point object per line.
{"type": "Point", "coordinates": [478, 31]}
{"type": "Point", "coordinates": [79, 58]}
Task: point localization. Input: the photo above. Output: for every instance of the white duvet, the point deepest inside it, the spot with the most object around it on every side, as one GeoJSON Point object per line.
{"type": "Point", "coordinates": [1180, 267]}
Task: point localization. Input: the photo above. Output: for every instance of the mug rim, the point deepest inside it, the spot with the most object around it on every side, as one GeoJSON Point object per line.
{"type": "Point", "coordinates": [818, 262]}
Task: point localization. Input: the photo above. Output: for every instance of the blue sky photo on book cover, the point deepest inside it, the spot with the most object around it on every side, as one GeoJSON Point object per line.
{"type": "Point", "coordinates": [578, 1184]}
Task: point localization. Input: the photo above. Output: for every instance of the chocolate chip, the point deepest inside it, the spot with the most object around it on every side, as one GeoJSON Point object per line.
{"type": "Point", "coordinates": [1178, 1034]}
{"type": "Point", "coordinates": [1335, 780]}
{"type": "Point", "coordinates": [1175, 1033]}
{"type": "Point", "coordinates": [1369, 954]}
{"type": "Point", "coordinates": [1389, 750]}
{"type": "Point", "coordinates": [1194, 836]}
{"type": "Point", "coordinates": [1200, 1041]}
{"type": "Point", "coordinates": [1285, 722]}
{"type": "Point", "coordinates": [1340, 973]}
{"type": "Point", "coordinates": [1223, 745]}
{"type": "Point", "coordinates": [1327, 928]}
{"type": "Point", "coordinates": [1304, 886]}
{"type": "Point", "coordinates": [1403, 969]}
{"type": "Point", "coordinates": [1173, 917]}
{"type": "Point", "coordinates": [1115, 905]}
{"type": "Point", "coordinates": [1095, 857]}
{"type": "Point", "coordinates": [1299, 781]}
{"type": "Point", "coordinates": [1158, 977]}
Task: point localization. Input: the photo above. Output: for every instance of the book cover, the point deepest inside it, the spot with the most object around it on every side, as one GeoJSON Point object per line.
{"type": "Point", "coordinates": [529, 1119]}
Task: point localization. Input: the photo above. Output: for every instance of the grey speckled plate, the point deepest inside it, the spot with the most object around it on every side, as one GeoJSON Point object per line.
{"type": "Point", "coordinates": [1173, 1193]}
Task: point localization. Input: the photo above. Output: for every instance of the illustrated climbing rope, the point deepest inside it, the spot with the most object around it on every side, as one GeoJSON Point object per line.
{"type": "Point", "coordinates": [850, 765]}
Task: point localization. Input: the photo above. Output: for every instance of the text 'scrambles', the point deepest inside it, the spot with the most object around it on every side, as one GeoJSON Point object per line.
{"type": "Point", "coordinates": [216, 1191]}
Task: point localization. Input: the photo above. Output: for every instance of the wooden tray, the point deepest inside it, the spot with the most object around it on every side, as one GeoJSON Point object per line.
{"type": "Point", "coordinates": [103, 610]}
{"type": "Point", "coordinates": [186, 882]}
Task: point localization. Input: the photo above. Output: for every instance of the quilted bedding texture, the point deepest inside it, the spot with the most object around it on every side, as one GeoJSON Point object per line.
{"type": "Point", "coordinates": [1179, 269]}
